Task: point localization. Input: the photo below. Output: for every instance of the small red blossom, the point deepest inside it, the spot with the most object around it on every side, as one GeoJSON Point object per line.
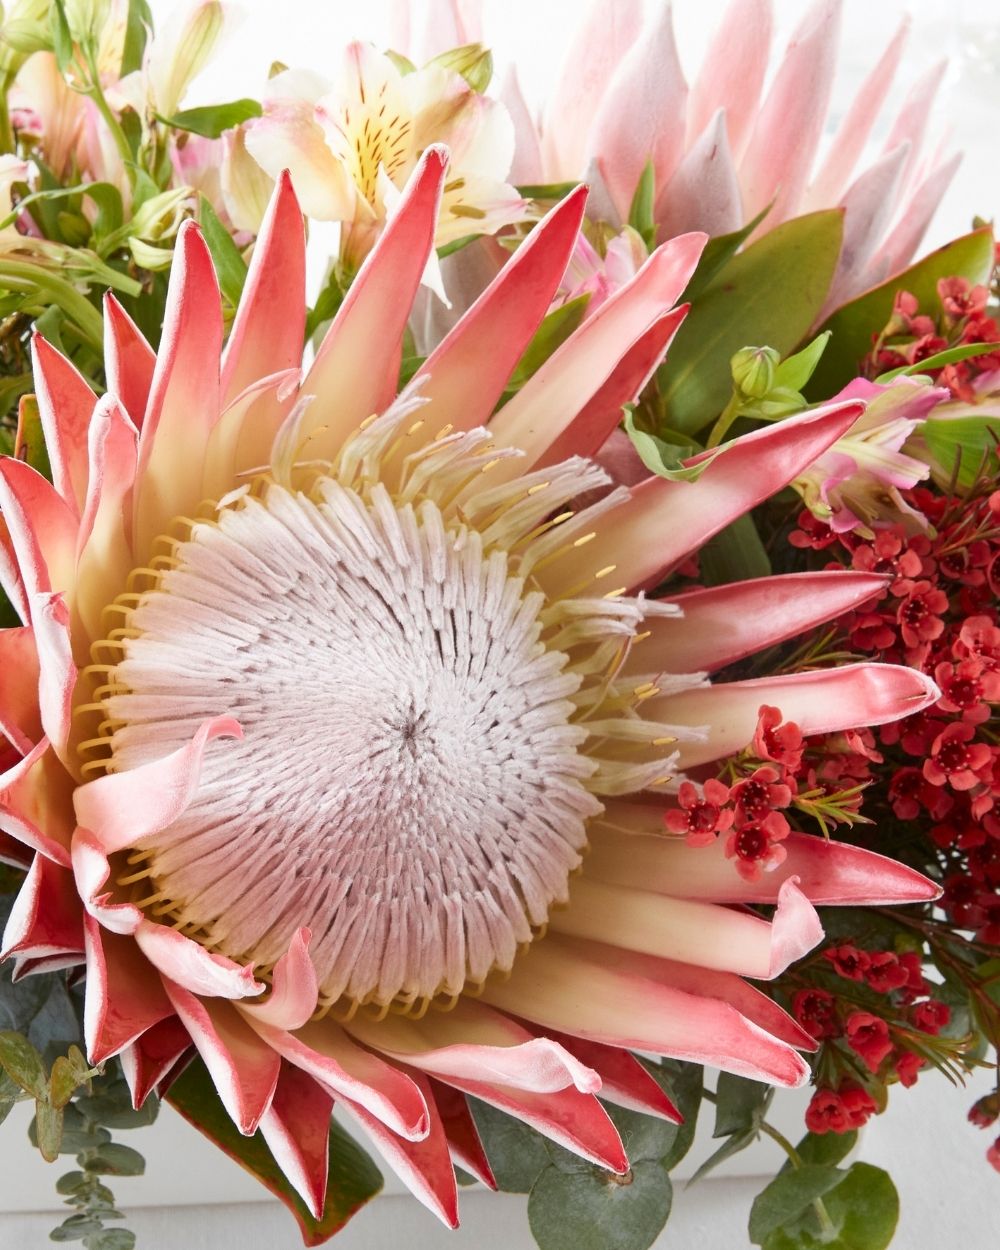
{"type": "Point", "coordinates": [955, 759]}
{"type": "Point", "coordinates": [919, 614]}
{"type": "Point", "coordinates": [826, 1113]}
{"type": "Point", "coordinates": [848, 961]}
{"type": "Point", "coordinates": [701, 818]}
{"type": "Point", "coordinates": [931, 1016]}
{"type": "Point", "coordinates": [985, 1111]}
{"type": "Point", "coordinates": [816, 1011]}
{"type": "Point", "coordinates": [759, 794]}
{"type": "Point", "coordinates": [913, 964]}
{"type": "Point", "coordinates": [868, 1036]}
{"type": "Point", "coordinates": [908, 1066]}
{"type": "Point", "coordinates": [885, 973]}
{"type": "Point", "coordinates": [773, 740]}
{"type": "Point", "coordinates": [993, 1155]}
{"type": "Point", "coordinates": [858, 1103]}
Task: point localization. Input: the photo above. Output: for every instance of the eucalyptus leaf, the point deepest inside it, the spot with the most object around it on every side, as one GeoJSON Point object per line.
{"type": "Point", "coordinates": [595, 1210]}
{"type": "Point", "coordinates": [646, 1138]}
{"type": "Point", "coordinates": [76, 1228]}
{"type": "Point", "coordinates": [863, 1210]}
{"type": "Point", "coordinates": [111, 1239]}
{"type": "Point", "coordinates": [48, 1130]}
{"type": "Point", "coordinates": [852, 325]}
{"type": "Point", "coordinates": [740, 1104]}
{"type": "Point", "coordinates": [517, 1154]}
{"type": "Point", "coordinates": [787, 1197]}
{"type": "Point", "coordinates": [210, 120]}
{"type": "Point", "coordinates": [731, 1146]}
{"type": "Point", "coordinates": [770, 293]}
{"type": "Point", "coordinates": [23, 1064]}
{"type": "Point", "coordinates": [684, 1082]}
{"type": "Point", "coordinates": [112, 1159]}
{"type": "Point", "coordinates": [824, 1148]}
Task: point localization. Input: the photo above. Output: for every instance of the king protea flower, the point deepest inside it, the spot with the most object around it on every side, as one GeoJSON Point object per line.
{"type": "Point", "coordinates": [322, 694]}
{"type": "Point", "coordinates": [722, 148]}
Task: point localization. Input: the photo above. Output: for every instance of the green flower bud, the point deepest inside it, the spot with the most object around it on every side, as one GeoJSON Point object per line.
{"type": "Point", "coordinates": [753, 370]}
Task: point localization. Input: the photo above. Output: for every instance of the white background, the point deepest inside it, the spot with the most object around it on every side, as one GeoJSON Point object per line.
{"type": "Point", "coordinates": [195, 1199]}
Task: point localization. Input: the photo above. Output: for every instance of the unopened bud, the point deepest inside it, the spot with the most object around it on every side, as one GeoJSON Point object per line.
{"type": "Point", "coordinates": [473, 62]}
{"type": "Point", "coordinates": [986, 1110]}
{"type": "Point", "coordinates": [753, 370]}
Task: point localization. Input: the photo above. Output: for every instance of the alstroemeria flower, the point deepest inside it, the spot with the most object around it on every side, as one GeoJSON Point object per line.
{"type": "Point", "coordinates": [299, 763]}
{"type": "Point", "coordinates": [351, 145]}
{"type": "Point", "coordinates": [723, 148]}
{"type": "Point", "coordinates": [856, 483]}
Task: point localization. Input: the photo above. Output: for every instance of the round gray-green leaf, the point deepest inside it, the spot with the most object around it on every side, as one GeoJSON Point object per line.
{"type": "Point", "coordinates": [596, 1210]}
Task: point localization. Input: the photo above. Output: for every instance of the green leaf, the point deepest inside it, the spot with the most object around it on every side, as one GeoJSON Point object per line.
{"type": "Point", "coordinates": [23, 1064]}
{"type": "Point", "coordinates": [854, 324]}
{"type": "Point", "coordinates": [554, 330]}
{"type": "Point", "coordinates": [63, 1080]}
{"type": "Point", "coordinates": [718, 252]}
{"type": "Point", "coordinates": [72, 1183]}
{"type": "Point", "coordinates": [546, 190]}
{"type": "Point", "coordinates": [795, 371]}
{"type": "Point", "coordinates": [62, 40]}
{"type": "Point", "coordinates": [640, 215]}
{"type": "Point", "coordinates": [113, 1108]}
{"type": "Point", "coordinates": [472, 61]}
{"type": "Point", "coordinates": [456, 245]}
{"type": "Point", "coordinates": [29, 444]}
{"type": "Point", "coordinates": [731, 1146]}
{"type": "Point", "coordinates": [210, 120]}
{"type": "Point", "coordinates": [111, 1239]}
{"type": "Point", "coordinates": [646, 1138]}
{"type": "Point", "coordinates": [229, 263]}
{"type": "Point", "coordinates": [863, 1211]}
{"type": "Point", "coordinates": [962, 445]}
{"type": "Point", "coordinates": [516, 1153]}
{"type": "Point", "coordinates": [735, 554]}
{"type": "Point", "coordinates": [684, 1083]}
{"type": "Point", "coordinates": [111, 1159]}
{"type": "Point", "coordinates": [77, 1134]}
{"type": "Point", "coordinates": [595, 1210]}
{"type": "Point", "coordinates": [740, 1104]}
{"type": "Point", "coordinates": [665, 458]}
{"type": "Point", "coordinates": [964, 351]}
{"type": "Point", "coordinates": [137, 27]}
{"type": "Point", "coordinates": [770, 293]}
{"type": "Point", "coordinates": [824, 1148]}
{"type": "Point", "coordinates": [76, 1228]}
{"type": "Point", "coordinates": [48, 1130]}
{"type": "Point", "coordinates": [787, 1197]}
{"type": "Point", "coordinates": [402, 63]}
{"type": "Point", "coordinates": [353, 1177]}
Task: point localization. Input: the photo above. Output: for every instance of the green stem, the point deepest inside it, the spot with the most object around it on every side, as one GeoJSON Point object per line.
{"type": "Point", "coordinates": [721, 427]}
{"type": "Point", "coordinates": [112, 123]}
{"type": "Point", "coordinates": [20, 276]}
{"type": "Point", "coordinates": [822, 1214]}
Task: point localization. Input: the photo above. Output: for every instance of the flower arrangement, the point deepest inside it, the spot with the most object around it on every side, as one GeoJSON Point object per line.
{"type": "Point", "coordinates": [545, 684]}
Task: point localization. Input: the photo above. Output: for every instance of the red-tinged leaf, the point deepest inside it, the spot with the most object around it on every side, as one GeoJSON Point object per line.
{"type": "Point", "coordinates": [353, 1180]}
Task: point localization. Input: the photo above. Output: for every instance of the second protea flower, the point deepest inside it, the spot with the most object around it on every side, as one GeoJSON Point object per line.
{"type": "Point", "coordinates": [324, 693]}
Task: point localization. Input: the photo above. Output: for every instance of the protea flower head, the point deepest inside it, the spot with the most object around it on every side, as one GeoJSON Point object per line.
{"type": "Point", "coordinates": [724, 149]}
{"type": "Point", "coordinates": [323, 693]}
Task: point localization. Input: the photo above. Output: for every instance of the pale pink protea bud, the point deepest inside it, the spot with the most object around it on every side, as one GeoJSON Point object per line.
{"type": "Point", "coordinates": [304, 760]}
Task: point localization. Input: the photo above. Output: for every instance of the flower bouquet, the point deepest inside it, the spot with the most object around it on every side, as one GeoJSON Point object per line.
{"type": "Point", "coordinates": [542, 684]}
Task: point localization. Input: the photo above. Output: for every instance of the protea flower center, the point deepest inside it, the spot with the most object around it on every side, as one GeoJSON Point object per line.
{"type": "Point", "coordinates": [414, 778]}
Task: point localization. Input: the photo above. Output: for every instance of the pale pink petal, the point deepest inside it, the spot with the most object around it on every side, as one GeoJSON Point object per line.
{"type": "Point", "coordinates": [292, 1000]}
{"type": "Point", "coordinates": [288, 137]}
{"type": "Point", "coordinates": [608, 995]}
{"type": "Point", "coordinates": [192, 967]}
{"type": "Point", "coordinates": [624, 1081]}
{"type": "Point", "coordinates": [704, 191]}
{"type": "Point", "coordinates": [19, 719]}
{"type": "Point", "coordinates": [439, 26]}
{"type": "Point", "coordinates": [689, 931]}
{"type": "Point", "coordinates": [914, 217]}
{"type": "Point", "coordinates": [243, 436]}
{"type": "Point", "coordinates": [424, 1166]}
{"type": "Point", "coordinates": [269, 330]}
{"type": "Point", "coordinates": [641, 113]}
{"type": "Point", "coordinates": [184, 396]}
{"type": "Point", "coordinates": [503, 1052]}
{"type": "Point", "coordinates": [527, 169]}
{"type": "Point", "coordinates": [42, 528]}
{"type": "Point", "coordinates": [119, 809]}
{"type": "Point", "coordinates": [65, 404]}
{"type": "Point", "coordinates": [356, 368]}
{"type": "Point", "coordinates": [104, 552]}
{"type": "Point", "coordinates": [917, 108]}
{"type": "Point", "coordinates": [775, 166]}
{"type": "Point", "coordinates": [683, 515]}
{"type": "Point", "coordinates": [36, 803]}
{"type": "Point", "coordinates": [570, 378]}
{"type": "Point", "coordinates": [296, 1128]}
{"type": "Point", "coordinates": [868, 208]}
{"type": "Point", "coordinates": [92, 871]}
{"type": "Point", "coordinates": [732, 73]}
{"type": "Point", "coordinates": [596, 422]}
{"type": "Point", "coordinates": [464, 1143]}
{"type": "Point", "coordinates": [46, 918]}
{"type": "Point", "coordinates": [125, 997]}
{"type": "Point", "coordinates": [600, 42]}
{"type": "Point", "coordinates": [150, 1057]}
{"type": "Point", "coordinates": [464, 377]}
{"type": "Point", "coordinates": [10, 574]}
{"type": "Point", "coordinates": [849, 141]}
{"type": "Point", "coordinates": [828, 873]}
{"type": "Point", "coordinates": [56, 671]}
{"type": "Point", "coordinates": [243, 1069]}
{"type": "Point", "coordinates": [328, 1055]}
{"type": "Point", "coordinates": [821, 701]}
{"type": "Point", "coordinates": [129, 360]}
{"type": "Point", "coordinates": [723, 624]}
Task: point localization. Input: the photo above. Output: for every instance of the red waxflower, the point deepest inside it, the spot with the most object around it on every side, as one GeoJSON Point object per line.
{"type": "Point", "coordinates": [826, 1113]}
{"type": "Point", "coordinates": [816, 1011]}
{"type": "Point", "coordinates": [776, 741]}
{"type": "Point", "coordinates": [885, 973]}
{"type": "Point", "coordinates": [964, 690]}
{"type": "Point", "coordinates": [986, 1110]}
{"type": "Point", "coordinates": [908, 1065]}
{"type": "Point", "coordinates": [759, 794]}
{"type": "Point", "coordinates": [858, 1103]}
{"type": "Point", "coordinates": [700, 818]}
{"type": "Point", "coordinates": [955, 759]}
{"type": "Point", "coordinates": [913, 964]}
{"type": "Point", "coordinates": [868, 1036]}
{"type": "Point", "coordinates": [931, 1016]}
{"type": "Point", "coordinates": [755, 848]}
{"type": "Point", "coordinates": [848, 961]}
{"type": "Point", "coordinates": [919, 614]}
